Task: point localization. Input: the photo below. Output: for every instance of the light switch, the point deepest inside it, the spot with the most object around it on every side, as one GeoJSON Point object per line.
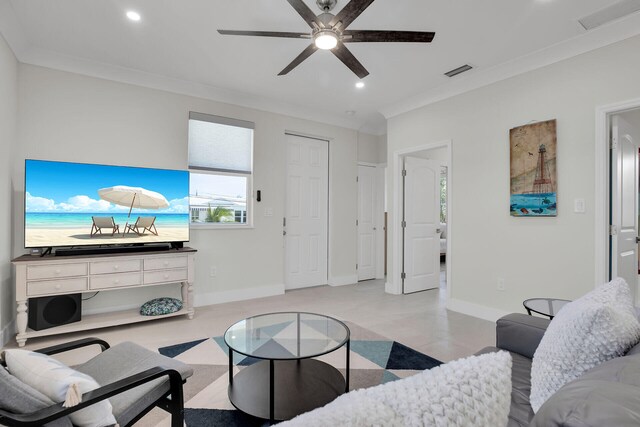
{"type": "Point", "coordinates": [268, 211]}
{"type": "Point", "coordinates": [579, 206]}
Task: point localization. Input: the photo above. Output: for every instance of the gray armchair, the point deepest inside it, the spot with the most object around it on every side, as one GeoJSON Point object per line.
{"type": "Point", "coordinates": [134, 379]}
{"type": "Point", "coordinates": [607, 395]}
{"type": "Point", "coordinates": [520, 335]}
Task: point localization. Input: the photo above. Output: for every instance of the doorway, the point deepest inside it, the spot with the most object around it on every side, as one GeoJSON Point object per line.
{"type": "Point", "coordinates": [305, 225]}
{"type": "Point", "coordinates": [624, 184]}
{"type": "Point", "coordinates": [370, 221]}
{"type": "Point", "coordinates": [420, 224]}
{"type": "Point", "coordinates": [421, 219]}
{"type": "Point", "coordinates": [366, 222]}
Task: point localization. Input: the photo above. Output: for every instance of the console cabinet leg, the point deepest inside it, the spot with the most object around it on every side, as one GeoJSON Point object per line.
{"type": "Point", "coordinates": [21, 322]}
{"type": "Point", "coordinates": [187, 298]}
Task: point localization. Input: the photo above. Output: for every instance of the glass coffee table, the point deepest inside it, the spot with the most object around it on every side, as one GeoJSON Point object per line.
{"type": "Point", "coordinates": [283, 380]}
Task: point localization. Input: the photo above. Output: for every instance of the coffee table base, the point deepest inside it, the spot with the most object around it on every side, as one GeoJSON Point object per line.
{"type": "Point", "coordinates": [299, 386]}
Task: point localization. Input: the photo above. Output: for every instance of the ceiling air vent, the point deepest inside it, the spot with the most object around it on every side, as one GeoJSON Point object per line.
{"type": "Point", "coordinates": [459, 70]}
{"type": "Point", "coordinates": [615, 11]}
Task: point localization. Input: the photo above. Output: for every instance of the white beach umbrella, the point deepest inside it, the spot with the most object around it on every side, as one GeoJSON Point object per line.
{"type": "Point", "coordinates": [134, 197]}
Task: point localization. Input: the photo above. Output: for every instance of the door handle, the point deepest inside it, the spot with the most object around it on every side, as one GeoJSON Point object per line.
{"type": "Point", "coordinates": [637, 239]}
{"type": "Point", "coordinates": [284, 232]}
{"type": "Point", "coordinates": [438, 230]}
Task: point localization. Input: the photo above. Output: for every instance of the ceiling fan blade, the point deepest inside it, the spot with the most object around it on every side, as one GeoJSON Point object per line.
{"type": "Point", "coordinates": [349, 60]}
{"type": "Point", "coordinates": [304, 11]}
{"type": "Point", "coordinates": [355, 36]}
{"type": "Point", "coordinates": [304, 55]}
{"type": "Point", "coordinates": [350, 12]}
{"type": "Point", "coordinates": [266, 34]}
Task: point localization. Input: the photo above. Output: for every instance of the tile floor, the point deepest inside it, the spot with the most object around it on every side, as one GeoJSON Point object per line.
{"type": "Point", "coordinates": [419, 320]}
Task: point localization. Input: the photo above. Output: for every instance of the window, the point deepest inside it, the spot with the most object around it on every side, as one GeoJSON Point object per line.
{"type": "Point", "coordinates": [221, 163]}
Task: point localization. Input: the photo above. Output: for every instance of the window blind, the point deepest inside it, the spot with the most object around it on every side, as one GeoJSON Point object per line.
{"type": "Point", "coordinates": [220, 143]}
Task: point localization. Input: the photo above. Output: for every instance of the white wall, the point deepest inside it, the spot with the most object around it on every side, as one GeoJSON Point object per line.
{"type": "Point", "coordinates": [632, 117]}
{"type": "Point", "coordinates": [368, 148]}
{"type": "Point", "coordinates": [536, 256]}
{"type": "Point", "coordinates": [8, 135]}
{"type": "Point", "coordinates": [68, 117]}
{"type": "Point", "coordinates": [382, 149]}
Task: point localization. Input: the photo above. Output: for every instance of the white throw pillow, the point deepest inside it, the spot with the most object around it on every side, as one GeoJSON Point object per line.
{"type": "Point", "coordinates": [475, 391]}
{"type": "Point", "coordinates": [53, 379]}
{"type": "Point", "coordinates": [595, 328]}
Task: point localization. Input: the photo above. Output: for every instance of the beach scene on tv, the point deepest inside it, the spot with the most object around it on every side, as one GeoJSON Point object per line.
{"type": "Point", "coordinates": [72, 204]}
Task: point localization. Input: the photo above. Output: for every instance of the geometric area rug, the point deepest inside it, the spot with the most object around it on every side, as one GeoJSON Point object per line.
{"type": "Point", "coordinates": [374, 360]}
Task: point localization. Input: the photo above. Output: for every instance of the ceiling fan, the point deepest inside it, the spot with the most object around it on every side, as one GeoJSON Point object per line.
{"type": "Point", "coordinates": [329, 32]}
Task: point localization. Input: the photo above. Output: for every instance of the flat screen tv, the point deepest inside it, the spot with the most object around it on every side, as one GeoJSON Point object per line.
{"type": "Point", "coordinates": [77, 204]}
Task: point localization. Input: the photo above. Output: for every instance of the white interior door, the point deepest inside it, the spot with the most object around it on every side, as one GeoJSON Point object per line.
{"type": "Point", "coordinates": [421, 269]}
{"type": "Point", "coordinates": [305, 224]}
{"type": "Point", "coordinates": [366, 222]}
{"type": "Point", "coordinates": [380, 209]}
{"type": "Point", "coordinates": [624, 202]}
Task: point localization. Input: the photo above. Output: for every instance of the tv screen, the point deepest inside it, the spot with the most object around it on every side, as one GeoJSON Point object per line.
{"type": "Point", "coordinates": [76, 204]}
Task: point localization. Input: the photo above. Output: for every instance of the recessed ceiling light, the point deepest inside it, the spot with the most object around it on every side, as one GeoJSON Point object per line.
{"type": "Point", "coordinates": [134, 16]}
{"type": "Point", "coordinates": [360, 85]}
{"type": "Point", "coordinates": [350, 112]}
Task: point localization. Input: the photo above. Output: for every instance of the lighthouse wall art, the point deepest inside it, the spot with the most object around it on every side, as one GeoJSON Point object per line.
{"type": "Point", "coordinates": [533, 170]}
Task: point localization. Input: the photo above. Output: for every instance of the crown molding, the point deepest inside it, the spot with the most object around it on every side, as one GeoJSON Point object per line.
{"type": "Point", "coordinates": [605, 35]}
{"type": "Point", "coordinates": [11, 29]}
{"type": "Point", "coordinates": [58, 61]}
{"type": "Point", "coordinates": [600, 37]}
{"type": "Point", "coordinates": [15, 37]}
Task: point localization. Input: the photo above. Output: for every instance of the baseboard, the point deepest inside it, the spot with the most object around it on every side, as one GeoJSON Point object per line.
{"type": "Point", "coordinates": [475, 310]}
{"type": "Point", "coordinates": [221, 297]}
{"type": "Point", "coordinates": [8, 332]}
{"type": "Point", "coordinates": [343, 280]}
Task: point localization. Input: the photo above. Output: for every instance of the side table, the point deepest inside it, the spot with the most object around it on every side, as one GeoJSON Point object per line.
{"type": "Point", "coordinates": [544, 306]}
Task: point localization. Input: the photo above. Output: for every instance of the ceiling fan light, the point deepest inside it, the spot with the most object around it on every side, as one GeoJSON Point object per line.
{"type": "Point", "coordinates": [326, 40]}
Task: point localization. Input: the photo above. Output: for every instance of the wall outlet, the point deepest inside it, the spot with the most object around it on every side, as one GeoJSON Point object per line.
{"type": "Point", "coordinates": [213, 272]}
{"type": "Point", "coordinates": [579, 206]}
{"type": "Point", "coordinates": [500, 286]}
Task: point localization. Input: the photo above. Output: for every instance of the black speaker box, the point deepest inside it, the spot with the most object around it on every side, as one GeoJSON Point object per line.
{"type": "Point", "coordinates": [47, 312]}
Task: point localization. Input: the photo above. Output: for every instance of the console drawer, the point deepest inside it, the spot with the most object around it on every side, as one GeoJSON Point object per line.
{"type": "Point", "coordinates": [118, 280]}
{"type": "Point", "coordinates": [165, 276]}
{"type": "Point", "coordinates": [35, 272]}
{"type": "Point", "coordinates": [123, 266]}
{"type": "Point", "coordinates": [165, 263]}
{"type": "Point", "coordinates": [65, 286]}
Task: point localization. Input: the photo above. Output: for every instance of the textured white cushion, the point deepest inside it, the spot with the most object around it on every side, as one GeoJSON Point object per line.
{"type": "Point", "coordinates": [475, 391]}
{"type": "Point", "coordinates": [585, 333]}
{"type": "Point", "coordinates": [53, 379]}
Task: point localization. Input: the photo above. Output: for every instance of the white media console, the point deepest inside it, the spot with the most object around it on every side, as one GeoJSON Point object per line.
{"type": "Point", "coordinates": [57, 275]}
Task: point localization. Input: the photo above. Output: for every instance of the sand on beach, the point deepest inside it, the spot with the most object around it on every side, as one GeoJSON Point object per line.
{"type": "Point", "coordinates": [44, 237]}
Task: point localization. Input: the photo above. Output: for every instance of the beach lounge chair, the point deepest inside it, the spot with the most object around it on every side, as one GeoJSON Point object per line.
{"type": "Point", "coordinates": [106, 222]}
{"type": "Point", "coordinates": [142, 225]}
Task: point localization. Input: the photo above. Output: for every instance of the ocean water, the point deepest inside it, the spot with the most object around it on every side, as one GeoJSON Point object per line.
{"type": "Point", "coordinates": [83, 220]}
{"type": "Point", "coordinates": [534, 204]}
